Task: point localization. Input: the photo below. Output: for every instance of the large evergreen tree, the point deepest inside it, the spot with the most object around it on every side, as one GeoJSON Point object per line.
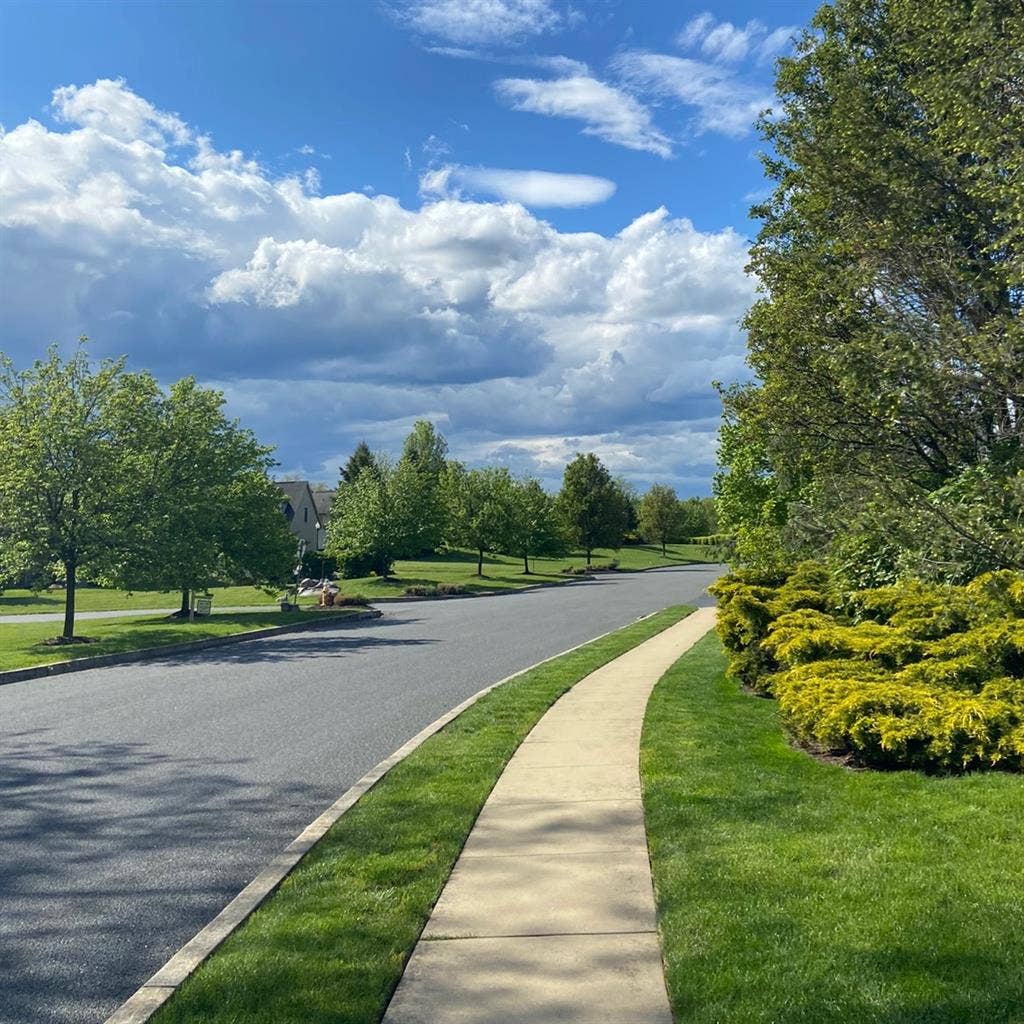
{"type": "Point", "coordinates": [360, 459]}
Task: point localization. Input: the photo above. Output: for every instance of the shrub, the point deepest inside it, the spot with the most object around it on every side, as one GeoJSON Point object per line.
{"type": "Point", "coordinates": [355, 564]}
{"type": "Point", "coordinates": [313, 560]}
{"type": "Point", "coordinates": [420, 590]}
{"type": "Point", "coordinates": [450, 589]}
{"type": "Point", "coordinates": [351, 601]}
{"type": "Point", "coordinates": [907, 675]}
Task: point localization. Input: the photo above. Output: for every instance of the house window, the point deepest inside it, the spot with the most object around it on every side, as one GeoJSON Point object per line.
{"type": "Point", "coordinates": [305, 515]}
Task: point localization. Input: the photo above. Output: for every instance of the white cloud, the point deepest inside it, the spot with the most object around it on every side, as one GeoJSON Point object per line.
{"type": "Point", "coordinates": [723, 41]}
{"type": "Point", "coordinates": [724, 103]}
{"type": "Point", "coordinates": [531, 188]}
{"type": "Point", "coordinates": [118, 112]}
{"type": "Point", "coordinates": [328, 318]}
{"type": "Point", "coordinates": [480, 22]}
{"type": "Point", "coordinates": [777, 41]}
{"type": "Point", "coordinates": [609, 113]}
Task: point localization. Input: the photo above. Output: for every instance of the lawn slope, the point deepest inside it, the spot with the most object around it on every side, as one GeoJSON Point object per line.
{"type": "Point", "coordinates": [790, 890]}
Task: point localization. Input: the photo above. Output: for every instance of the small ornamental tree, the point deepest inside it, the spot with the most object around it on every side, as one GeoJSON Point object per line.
{"type": "Point", "coordinates": [534, 527]}
{"type": "Point", "coordinates": [480, 506]}
{"type": "Point", "coordinates": [376, 518]}
{"type": "Point", "coordinates": [74, 442]}
{"type": "Point", "coordinates": [660, 515]}
{"type": "Point", "coordinates": [592, 505]}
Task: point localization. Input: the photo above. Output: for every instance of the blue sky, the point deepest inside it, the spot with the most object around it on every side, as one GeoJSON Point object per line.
{"type": "Point", "coordinates": [523, 219]}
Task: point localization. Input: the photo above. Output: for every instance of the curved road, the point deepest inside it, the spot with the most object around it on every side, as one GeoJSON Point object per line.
{"type": "Point", "coordinates": [135, 801]}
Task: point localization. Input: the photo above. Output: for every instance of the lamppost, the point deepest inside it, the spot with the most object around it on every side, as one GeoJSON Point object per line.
{"type": "Point", "coordinates": [320, 549]}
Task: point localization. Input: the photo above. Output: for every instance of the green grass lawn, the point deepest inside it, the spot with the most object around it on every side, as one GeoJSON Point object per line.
{"type": "Point", "coordinates": [330, 945]}
{"type": "Point", "coordinates": [500, 572]}
{"type": "Point", "coordinates": [795, 891]}
{"type": "Point", "coordinates": [20, 642]}
{"type": "Point", "coordinates": [96, 599]}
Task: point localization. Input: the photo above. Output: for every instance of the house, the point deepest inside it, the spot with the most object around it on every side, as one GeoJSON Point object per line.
{"type": "Point", "coordinates": [299, 505]}
{"type": "Point", "coordinates": [323, 501]}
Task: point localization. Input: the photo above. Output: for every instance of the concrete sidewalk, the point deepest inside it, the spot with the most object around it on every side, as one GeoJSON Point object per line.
{"type": "Point", "coordinates": [549, 912]}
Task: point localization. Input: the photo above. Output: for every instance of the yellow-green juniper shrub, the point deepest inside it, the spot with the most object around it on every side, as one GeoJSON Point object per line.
{"type": "Point", "coordinates": [908, 675]}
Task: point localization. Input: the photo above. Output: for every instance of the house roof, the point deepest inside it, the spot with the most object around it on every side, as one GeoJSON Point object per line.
{"type": "Point", "coordinates": [294, 490]}
{"type": "Point", "coordinates": [322, 500]}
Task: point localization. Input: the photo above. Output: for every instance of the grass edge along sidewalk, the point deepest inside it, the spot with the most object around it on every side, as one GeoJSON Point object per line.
{"type": "Point", "coordinates": [791, 889]}
{"type": "Point", "coordinates": [331, 943]}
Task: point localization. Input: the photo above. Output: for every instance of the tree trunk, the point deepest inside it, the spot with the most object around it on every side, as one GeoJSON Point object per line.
{"type": "Point", "coordinates": [480, 562]}
{"type": "Point", "coordinates": [184, 610]}
{"type": "Point", "coordinates": [70, 578]}
{"type": "Point", "coordinates": [588, 556]}
{"type": "Point", "coordinates": [526, 563]}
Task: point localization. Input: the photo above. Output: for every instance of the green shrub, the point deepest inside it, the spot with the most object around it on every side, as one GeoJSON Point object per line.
{"type": "Point", "coordinates": [313, 561]}
{"type": "Point", "coordinates": [353, 565]}
{"type": "Point", "coordinates": [907, 675]}
{"type": "Point", "coordinates": [426, 590]}
{"type": "Point", "coordinates": [351, 601]}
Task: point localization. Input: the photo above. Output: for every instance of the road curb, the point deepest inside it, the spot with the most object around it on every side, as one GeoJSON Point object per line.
{"type": "Point", "coordinates": [145, 1001]}
{"type": "Point", "coordinates": [17, 675]}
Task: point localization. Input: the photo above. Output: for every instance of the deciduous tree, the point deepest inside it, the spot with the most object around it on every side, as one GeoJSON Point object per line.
{"type": "Point", "coordinates": [480, 506]}
{"type": "Point", "coordinates": [591, 505]}
{"type": "Point", "coordinates": [660, 515]}
{"type": "Point", "coordinates": [74, 443]}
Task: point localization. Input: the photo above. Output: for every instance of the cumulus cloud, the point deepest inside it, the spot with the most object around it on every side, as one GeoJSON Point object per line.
{"type": "Point", "coordinates": [531, 188]}
{"type": "Point", "coordinates": [480, 22]}
{"type": "Point", "coordinates": [327, 318]}
{"type": "Point", "coordinates": [607, 112]}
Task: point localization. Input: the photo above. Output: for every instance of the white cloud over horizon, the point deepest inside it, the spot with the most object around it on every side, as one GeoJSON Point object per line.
{"type": "Point", "coordinates": [327, 318]}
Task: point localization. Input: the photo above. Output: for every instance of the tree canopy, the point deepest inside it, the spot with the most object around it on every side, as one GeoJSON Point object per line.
{"type": "Point", "coordinates": [480, 507]}
{"type": "Point", "coordinates": [208, 508]}
{"type": "Point", "coordinates": [74, 443]}
{"type": "Point", "coordinates": [885, 424]}
{"type": "Point", "coordinates": [592, 505]}
{"type": "Point", "coordinates": [376, 518]}
{"type": "Point", "coordinates": [660, 515]}
{"type": "Point", "coordinates": [360, 459]}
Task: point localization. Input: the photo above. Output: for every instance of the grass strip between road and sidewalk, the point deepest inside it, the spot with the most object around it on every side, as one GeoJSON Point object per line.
{"type": "Point", "coordinates": [331, 944]}
{"type": "Point", "coordinates": [21, 644]}
{"type": "Point", "coordinates": [791, 889]}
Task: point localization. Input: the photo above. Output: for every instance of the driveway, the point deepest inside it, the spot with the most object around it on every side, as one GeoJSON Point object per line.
{"type": "Point", "coordinates": [135, 801]}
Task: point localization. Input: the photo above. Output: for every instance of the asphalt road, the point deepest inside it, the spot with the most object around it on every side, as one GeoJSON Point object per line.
{"type": "Point", "coordinates": [135, 801]}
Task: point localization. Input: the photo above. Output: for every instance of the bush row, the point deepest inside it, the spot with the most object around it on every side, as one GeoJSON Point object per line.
{"type": "Point", "coordinates": [910, 675]}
